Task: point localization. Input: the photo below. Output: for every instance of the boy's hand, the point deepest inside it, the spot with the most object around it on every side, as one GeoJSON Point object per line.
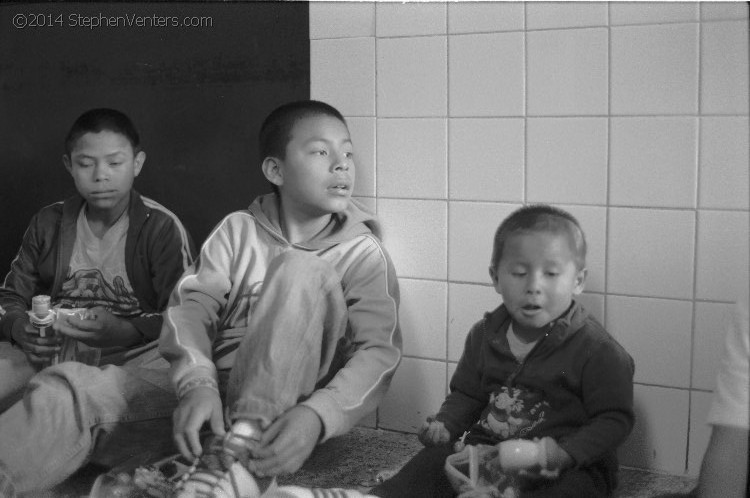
{"type": "Point", "coordinates": [557, 460]}
{"type": "Point", "coordinates": [197, 406]}
{"type": "Point", "coordinates": [287, 442]}
{"type": "Point", "coordinates": [38, 350]}
{"type": "Point", "coordinates": [100, 329]}
{"type": "Point", "coordinates": [433, 433]}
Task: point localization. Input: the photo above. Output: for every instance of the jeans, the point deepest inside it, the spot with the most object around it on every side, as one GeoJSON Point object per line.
{"type": "Point", "coordinates": [72, 413]}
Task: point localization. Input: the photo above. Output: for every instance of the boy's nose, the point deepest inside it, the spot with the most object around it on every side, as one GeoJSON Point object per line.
{"type": "Point", "coordinates": [342, 165]}
{"type": "Point", "coordinates": [533, 284]}
{"type": "Point", "coordinates": [100, 172]}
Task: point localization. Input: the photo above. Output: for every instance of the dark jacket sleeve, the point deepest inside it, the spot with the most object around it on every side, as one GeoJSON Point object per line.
{"type": "Point", "coordinates": [23, 280]}
{"type": "Point", "coordinates": [607, 386]}
{"type": "Point", "coordinates": [463, 406]}
{"type": "Point", "coordinates": [169, 252]}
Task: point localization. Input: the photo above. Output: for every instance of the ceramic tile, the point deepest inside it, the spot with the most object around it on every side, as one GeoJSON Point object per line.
{"type": "Point", "coordinates": [650, 252]}
{"type": "Point", "coordinates": [723, 253]}
{"type": "Point", "coordinates": [482, 17]}
{"type": "Point", "coordinates": [467, 304]}
{"type": "Point", "coordinates": [594, 304]}
{"type": "Point", "coordinates": [656, 333]}
{"type": "Point", "coordinates": [567, 160]}
{"type": "Point", "coordinates": [411, 77]}
{"type": "Point", "coordinates": [410, 19]}
{"type": "Point", "coordinates": [341, 19]}
{"type": "Point", "coordinates": [659, 438]}
{"type": "Point", "coordinates": [412, 158]}
{"type": "Point", "coordinates": [593, 221]}
{"type": "Point", "coordinates": [724, 176]}
{"type": "Point", "coordinates": [416, 236]}
{"type": "Point", "coordinates": [472, 228]}
{"type": "Point", "coordinates": [451, 370]}
{"type": "Point", "coordinates": [724, 68]}
{"type": "Point", "coordinates": [545, 15]}
{"type": "Point", "coordinates": [422, 316]}
{"type": "Point", "coordinates": [567, 72]}
{"type": "Point", "coordinates": [711, 11]}
{"type": "Point", "coordinates": [369, 203]}
{"type": "Point", "coordinates": [653, 161]}
{"type": "Point", "coordinates": [700, 431]}
{"type": "Point", "coordinates": [486, 158]}
{"type": "Point", "coordinates": [486, 74]}
{"type": "Point", "coordinates": [362, 131]}
{"type": "Point", "coordinates": [417, 390]}
{"type": "Point", "coordinates": [342, 73]}
{"type": "Point", "coordinates": [370, 420]}
{"type": "Point", "coordinates": [652, 12]}
{"type": "Point", "coordinates": [712, 321]}
{"type": "Point", "coordinates": [654, 70]}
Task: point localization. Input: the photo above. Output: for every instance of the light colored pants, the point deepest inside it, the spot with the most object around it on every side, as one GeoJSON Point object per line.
{"type": "Point", "coordinates": [15, 374]}
{"type": "Point", "coordinates": [72, 413]}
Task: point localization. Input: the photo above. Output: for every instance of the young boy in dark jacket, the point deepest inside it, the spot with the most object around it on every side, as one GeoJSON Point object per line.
{"type": "Point", "coordinates": [538, 367]}
{"type": "Point", "coordinates": [118, 255]}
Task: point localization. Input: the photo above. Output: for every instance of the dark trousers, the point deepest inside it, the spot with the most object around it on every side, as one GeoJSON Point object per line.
{"type": "Point", "coordinates": [424, 477]}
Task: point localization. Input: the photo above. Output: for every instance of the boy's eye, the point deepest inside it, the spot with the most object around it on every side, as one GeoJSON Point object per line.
{"type": "Point", "coordinates": [349, 154]}
{"type": "Point", "coordinates": [320, 152]}
{"type": "Point", "coordinates": [518, 273]}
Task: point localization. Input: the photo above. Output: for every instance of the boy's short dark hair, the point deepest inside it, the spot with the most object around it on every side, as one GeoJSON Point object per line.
{"type": "Point", "coordinates": [541, 218]}
{"type": "Point", "coordinates": [276, 130]}
{"type": "Point", "coordinates": [102, 119]}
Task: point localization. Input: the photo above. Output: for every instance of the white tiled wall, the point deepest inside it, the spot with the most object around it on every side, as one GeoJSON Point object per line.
{"type": "Point", "coordinates": [631, 115]}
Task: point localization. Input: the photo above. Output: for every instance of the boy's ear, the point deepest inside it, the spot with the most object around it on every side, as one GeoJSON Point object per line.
{"type": "Point", "coordinates": [272, 171]}
{"type": "Point", "coordinates": [580, 281]}
{"type": "Point", "coordinates": [138, 161]}
{"type": "Point", "coordinates": [493, 274]}
{"type": "Point", "coordinates": [66, 162]}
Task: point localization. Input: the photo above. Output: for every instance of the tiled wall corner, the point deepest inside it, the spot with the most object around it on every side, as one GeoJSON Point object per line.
{"type": "Point", "coordinates": [633, 116]}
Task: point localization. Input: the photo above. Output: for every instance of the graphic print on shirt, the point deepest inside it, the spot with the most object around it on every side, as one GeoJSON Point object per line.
{"type": "Point", "coordinates": [513, 412]}
{"type": "Point", "coordinates": [86, 288]}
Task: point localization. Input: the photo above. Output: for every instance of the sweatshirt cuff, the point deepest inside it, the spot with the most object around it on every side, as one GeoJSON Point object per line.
{"type": "Point", "coordinates": [330, 413]}
{"type": "Point", "coordinates": [198, 377]}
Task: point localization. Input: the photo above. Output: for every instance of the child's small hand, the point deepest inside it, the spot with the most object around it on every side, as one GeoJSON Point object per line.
{"type": "Point", "coordinates": [433, 433]}
{"type": "Point", "coordinates": [38, 349]}
{"type": "Point", "coordinates": [557, 458]}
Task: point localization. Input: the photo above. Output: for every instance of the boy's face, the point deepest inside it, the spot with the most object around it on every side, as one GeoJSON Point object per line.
{"type": "Point", "coordinates": [316, 177]}
{"type": "Point", "coordinates": [537, 277]}
{"type": "Point", "coordinates": [103, 166]}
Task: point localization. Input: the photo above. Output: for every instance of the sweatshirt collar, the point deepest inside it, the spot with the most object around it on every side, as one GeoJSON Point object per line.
{"type": "Point", "coordinates": [497, 321]}
{"type": "Point", "coordinates": [354, 220]}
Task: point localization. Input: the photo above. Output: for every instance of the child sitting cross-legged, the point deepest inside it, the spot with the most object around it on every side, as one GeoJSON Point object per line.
{"type": "Point", "coordinates": [285, 331]}
{"type": "Point", "coordinates": [539, 367]}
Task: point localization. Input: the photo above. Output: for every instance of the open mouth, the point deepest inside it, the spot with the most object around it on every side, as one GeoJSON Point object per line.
{"type": "Point", "coordinates": [531, 309]}
{"type": "Point", "coordinates": [340, 188]}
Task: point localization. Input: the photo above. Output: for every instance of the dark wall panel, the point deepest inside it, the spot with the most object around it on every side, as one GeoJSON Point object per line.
{"type": "Point", "coordinates": [197, 95]}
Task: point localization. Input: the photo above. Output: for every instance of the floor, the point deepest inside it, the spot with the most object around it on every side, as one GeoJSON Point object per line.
{"type": "Point", "coordinates": [361, 458]}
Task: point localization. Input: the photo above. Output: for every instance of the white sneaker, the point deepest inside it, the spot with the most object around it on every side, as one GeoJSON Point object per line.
{"type": "Point", "coordinates": [221, 472]}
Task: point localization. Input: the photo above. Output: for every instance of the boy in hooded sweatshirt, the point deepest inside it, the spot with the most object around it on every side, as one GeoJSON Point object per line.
{"type": "Point", "coordinates": [286, 327]}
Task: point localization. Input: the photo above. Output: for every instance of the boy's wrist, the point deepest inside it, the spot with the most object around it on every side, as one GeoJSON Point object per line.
{"type": "Point", "coordinates": [195, 383]}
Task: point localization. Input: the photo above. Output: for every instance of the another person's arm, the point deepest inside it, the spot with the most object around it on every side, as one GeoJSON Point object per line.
{"type": "Point", "coordinates": [724, 471]}
{"type": "Point", "coordinates": [188, 332]}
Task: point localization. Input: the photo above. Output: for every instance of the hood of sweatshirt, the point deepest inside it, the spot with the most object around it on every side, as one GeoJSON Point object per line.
{"type": "Point", "coordinates": [353, 221]}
